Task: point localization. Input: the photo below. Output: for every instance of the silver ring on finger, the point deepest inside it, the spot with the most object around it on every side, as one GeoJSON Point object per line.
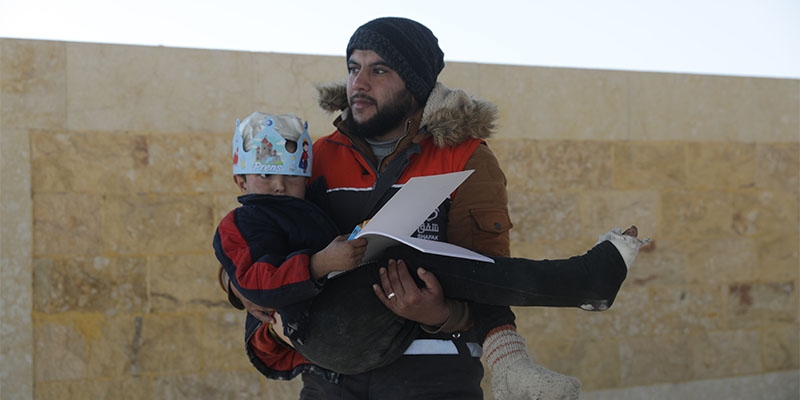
{"type": "Point", "coordinates": [390, 295]}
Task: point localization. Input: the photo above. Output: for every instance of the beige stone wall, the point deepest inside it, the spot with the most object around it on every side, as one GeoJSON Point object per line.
{"type": "Point", "coordinates": [115, 171]}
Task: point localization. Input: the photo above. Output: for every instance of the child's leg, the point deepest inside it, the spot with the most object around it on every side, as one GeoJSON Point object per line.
{"type": "Point", "coordinates": [349, 330]}
{"type": "Point", "coordinates": [589, 281]}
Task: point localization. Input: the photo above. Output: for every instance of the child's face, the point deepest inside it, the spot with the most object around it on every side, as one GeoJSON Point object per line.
{"type": "Point", "coordinates": [287, 185]}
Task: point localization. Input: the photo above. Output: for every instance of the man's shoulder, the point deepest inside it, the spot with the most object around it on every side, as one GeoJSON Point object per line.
{"type": "Point", "coordinates": [457, 153]}
{"type": "Point", "coordinates": [334, 138]}
{"type": "Point", "coordinates": [453, 116]}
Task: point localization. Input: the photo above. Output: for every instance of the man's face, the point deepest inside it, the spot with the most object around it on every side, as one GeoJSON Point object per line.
{"type": "Point", "coordinates": [378, 98]}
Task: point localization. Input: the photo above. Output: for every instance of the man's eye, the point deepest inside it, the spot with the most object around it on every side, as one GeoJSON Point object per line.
{"type": "Point", "coordinates": [265, 176]}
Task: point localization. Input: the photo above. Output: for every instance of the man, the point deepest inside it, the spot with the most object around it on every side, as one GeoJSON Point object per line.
{"type": "Point", "coordinates": [277, 249]}
{"type": "Point", "coordinates": [397, 122]}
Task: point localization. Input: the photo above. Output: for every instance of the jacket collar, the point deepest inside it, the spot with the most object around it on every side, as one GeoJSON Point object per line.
{"type": "Point", "coordinates": [450, 116]}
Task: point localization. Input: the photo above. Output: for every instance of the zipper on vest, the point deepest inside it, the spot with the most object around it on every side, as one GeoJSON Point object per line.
{"type": "Point", "coordinates": [407, 130]}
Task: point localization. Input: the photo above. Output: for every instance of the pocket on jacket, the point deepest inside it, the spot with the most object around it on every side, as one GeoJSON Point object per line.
{"type": "Point", "coordinates": [493, 221]}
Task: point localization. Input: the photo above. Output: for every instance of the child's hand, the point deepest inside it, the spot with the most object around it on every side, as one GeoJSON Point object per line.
{"type": "Point", "coordinates": [263, 314]}
{"type": "Point", "coordinates": [340, 255]}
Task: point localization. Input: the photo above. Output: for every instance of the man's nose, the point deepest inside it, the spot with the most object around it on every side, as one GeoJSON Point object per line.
{"type": "Point", "coordinates": [360, 81]}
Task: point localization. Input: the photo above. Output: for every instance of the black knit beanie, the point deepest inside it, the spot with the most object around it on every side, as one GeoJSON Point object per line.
{"type": "Point", "coordinates": [407, 46]}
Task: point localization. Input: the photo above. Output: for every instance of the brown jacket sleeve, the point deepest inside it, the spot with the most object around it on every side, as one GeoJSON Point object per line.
{"type": "Point", "coordinates": [478, 218]}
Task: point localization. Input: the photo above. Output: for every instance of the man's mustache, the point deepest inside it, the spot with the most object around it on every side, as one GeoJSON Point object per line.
{"type": "Point", "coordinates": [362, 97]}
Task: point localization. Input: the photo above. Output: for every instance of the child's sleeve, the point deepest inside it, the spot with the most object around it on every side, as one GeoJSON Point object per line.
{"type": "Point", "coordinates": [253, 256]}
{"type": "Point", "coordinates": [274, 359]}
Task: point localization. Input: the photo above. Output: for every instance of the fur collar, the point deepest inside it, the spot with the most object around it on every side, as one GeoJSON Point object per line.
{"type": "Point", "coordinates": [450, 115]}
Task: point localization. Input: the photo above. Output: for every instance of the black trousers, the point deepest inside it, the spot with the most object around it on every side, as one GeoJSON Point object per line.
{"type": "Point", "coordinates": [350, 331]}
{"type": "Point", "coordinates": [452, 377]}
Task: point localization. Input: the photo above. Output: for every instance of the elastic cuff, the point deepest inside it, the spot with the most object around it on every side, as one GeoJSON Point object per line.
{"type": "Point", "coordinates": [274, 335]}
{"type": "Point", "coordinates": [457, 320]}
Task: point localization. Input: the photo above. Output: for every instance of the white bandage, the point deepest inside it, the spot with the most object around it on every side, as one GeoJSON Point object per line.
{"type": "Point", "coordinates": [628, 246]}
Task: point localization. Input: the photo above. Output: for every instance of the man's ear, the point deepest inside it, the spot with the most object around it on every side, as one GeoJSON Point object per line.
{"type": "Point", "coordinates": [240, 180]}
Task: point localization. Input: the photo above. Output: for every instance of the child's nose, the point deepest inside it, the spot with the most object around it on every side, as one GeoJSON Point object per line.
{"type": "Point", "coordinates": [280, 185]}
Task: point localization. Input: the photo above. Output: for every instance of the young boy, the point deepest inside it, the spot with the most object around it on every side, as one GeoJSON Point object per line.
{"type": "Point", "coordinates": [277, 250]}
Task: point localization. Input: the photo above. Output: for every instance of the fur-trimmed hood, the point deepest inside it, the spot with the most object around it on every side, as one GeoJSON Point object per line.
{"type": "Point", "coordinates": [450, 115]}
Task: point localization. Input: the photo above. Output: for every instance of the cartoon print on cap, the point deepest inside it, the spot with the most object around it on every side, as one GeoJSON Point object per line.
{"type": "Point", "coordinates": [268, 144]}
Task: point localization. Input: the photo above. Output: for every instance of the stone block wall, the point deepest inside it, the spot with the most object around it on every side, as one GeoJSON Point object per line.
{"type": "Point", "coordinates": [115, 172]}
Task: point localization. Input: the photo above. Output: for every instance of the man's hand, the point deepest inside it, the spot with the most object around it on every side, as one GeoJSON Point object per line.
{"type": "Point", "coordinates": [340, 255]}
{"type": "Point", "coordinates": [399, 292]}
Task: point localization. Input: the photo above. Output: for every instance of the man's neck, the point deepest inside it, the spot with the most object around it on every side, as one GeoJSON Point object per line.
{"type": "Point", "coordinates": [400, 130]}
{"type": "Point", "coordinates": [395, 133]}
{"type": "Point", "coordinates": [382, 148]}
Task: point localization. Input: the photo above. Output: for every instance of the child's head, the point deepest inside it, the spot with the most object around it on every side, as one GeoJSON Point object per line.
{"type": "Point", "coordinates": [266, 158]}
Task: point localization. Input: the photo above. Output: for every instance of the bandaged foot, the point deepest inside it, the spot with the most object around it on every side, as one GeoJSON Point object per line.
{"type": "Point", "coordinates": [516, 377]}
{"type": "Point", "coordinates": [627, 243]}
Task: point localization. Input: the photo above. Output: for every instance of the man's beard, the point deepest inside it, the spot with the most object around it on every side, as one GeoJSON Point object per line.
{"type": "Point", "coordinates": [385, 119]}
